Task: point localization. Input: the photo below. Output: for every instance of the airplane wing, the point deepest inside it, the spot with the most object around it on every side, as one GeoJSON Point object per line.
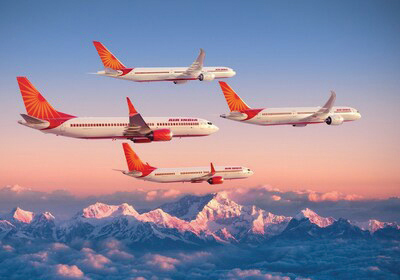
{"type": "Point", "coordinates": [206, 176]}
{"type": "Point", "coordinates": [197, 65]}
{"type": "Point", "coordinates": [323, 112]}
{"type": "Point", "coordinates": [137, 126]}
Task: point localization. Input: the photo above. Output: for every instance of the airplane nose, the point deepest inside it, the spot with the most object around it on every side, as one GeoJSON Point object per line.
{"type": "Point", "coordinates": [233, 73]}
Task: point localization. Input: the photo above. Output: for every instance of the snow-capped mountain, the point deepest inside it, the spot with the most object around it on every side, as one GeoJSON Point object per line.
{"type": "Point", "coordinates": [20, 216]}
{"type": "Point", "coordinates": [190, 221]}
{"type": "Point", "coordinates": [314, 218]}
{"type": "Point", "coordinates": [221, 214]}
{"type": "Point", "coordinates": [187, 207]}
{"type": "Point", "coordinates": [374, 225]}
{"type": "Point", "coordinates": [101, 210]}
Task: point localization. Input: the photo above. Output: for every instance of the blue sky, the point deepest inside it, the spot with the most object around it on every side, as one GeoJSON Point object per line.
{"type": "Point", "coordinates": [286, 53]}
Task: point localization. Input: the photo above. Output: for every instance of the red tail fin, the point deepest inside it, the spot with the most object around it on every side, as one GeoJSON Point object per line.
{"type": "Point", "coordinates": [36, 105]}
{"type": "Point", "coordinates": [108, 59]}
{"type": "Point", "coordinates": [134, 162]}
{"type": "Point", "coordinates": [235, 103]}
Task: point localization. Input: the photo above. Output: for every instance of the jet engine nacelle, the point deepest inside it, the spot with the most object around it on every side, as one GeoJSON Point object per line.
{"type": "Point", "coordinates": [206, 77]}
{"type": "Point", "coordinates": [334, 120]}
{"type": "Point", "coordinates": [160, 135]}
{"type": "Point", "coordinates": [215, 180]}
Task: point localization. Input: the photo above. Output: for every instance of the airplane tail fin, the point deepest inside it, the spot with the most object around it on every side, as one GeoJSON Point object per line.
{"type": "Point", "coordinates": [133, 161]}
{"type": "Point", "coordinates": [235, 103]}
{"type": "Point", "coordinates": [108, 59]}
{"type": "Point", "coordinates": [36, 105]}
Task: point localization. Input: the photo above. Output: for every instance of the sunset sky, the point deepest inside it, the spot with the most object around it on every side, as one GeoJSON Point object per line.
{"type": "Point", "coordinates": [285, 53]}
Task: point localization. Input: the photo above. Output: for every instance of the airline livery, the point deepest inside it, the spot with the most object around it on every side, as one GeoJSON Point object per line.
{"type": "Point", "coordinates": [42, 116]}
{"type": "Point", "coordinates": [179, 75]}
{"type": "Point", "coordinates": [212, 175]}
{"type": "Point", "coordinates": [296, 116]}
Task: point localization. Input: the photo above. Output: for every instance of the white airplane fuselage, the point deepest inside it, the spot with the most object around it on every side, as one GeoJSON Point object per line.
{"type": "Point", "coordinates": [190, 174]}
{"type": "Point", "coordinates": [296, 116]}
{"type": "Point", "coordinates": [174, 74]}
{"type": "Point", "coordinates": [115, 127]}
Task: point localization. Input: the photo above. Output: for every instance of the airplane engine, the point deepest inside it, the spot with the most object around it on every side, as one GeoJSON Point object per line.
{"type": "Point", "coordinates": [215, 180]}
{"type": "Point", "coordinates": [206, 77]}
{"type": "Point", "coordinates": [334, 120]}
{"type": "Point", "coordinates": [160, 135]}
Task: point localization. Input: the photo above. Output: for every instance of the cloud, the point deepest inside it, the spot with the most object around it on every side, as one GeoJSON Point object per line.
{"type": "Point", "coordinates": [93, 261]}
{"type": "Point", "coordinates": [68, 271]}
{"type": "Point", "coordinates": [254, 274]}
{"type": "Point", "coordinates": [274, 260]}
{"type": "Point", "coordinates": [161, 262]}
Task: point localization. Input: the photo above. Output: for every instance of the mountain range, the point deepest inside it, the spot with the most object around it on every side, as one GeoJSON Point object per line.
{"type": "Point", "coordinates": [191, 221]}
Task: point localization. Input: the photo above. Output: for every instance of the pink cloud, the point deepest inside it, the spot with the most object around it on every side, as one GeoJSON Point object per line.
{"type": "Point", "coordinates": [71, 271]}
{"type": "Point", "coordinates": [162, 262]}
{"type": "Point", "coordinates": [93, 260]}
{"type": "Point", "coordinates": [237, 273]}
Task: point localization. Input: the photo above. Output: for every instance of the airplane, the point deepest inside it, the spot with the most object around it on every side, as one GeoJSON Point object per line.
{"type": "Point", "coordinates": [213, 175]}
{"type": "Point", "coordinates": [42, 116]}
{"type": "Point", "coordinates": [178, 75]}
{"type": "Point", "coordinates": [295, 116]}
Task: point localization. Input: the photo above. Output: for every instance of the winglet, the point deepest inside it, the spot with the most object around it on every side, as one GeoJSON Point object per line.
{"type": "Point", "coordinates": [200, 58]}
{"type": "Point", "coordinates": [212, 169]}
{"type": "Point", "coordinates": [235, 103]}
{"type": "Point", "coordinates": [108, 59]}
{"type": "Point", "coordinates": [329, 104]}
{"type": "Point", "coordinates": [132, 110]}
{"type": "Point", "coordinates": [197, 65]}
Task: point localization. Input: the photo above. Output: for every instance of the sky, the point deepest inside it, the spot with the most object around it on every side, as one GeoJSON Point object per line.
{"type": "Point", "coordinates": [285, 53]}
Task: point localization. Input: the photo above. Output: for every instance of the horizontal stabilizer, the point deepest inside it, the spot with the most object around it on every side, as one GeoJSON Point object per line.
{"type": "Point", "coordinates": [32, 120]}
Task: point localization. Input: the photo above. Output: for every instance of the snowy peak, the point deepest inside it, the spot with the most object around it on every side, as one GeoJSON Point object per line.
{"type": "Point", "coordinates": [22, 216]}
{"type": "Point", "coordinates": [374, 225]}
{"type": "Point", "coordinates": [102, 210]}
{"type": "Point", "coordinates": [161, 218]}
{"type": "Point", "coordinates": [187, 207]}
{"type": "Point", "coordinates": [220, 207]}
{"type": "Point", "coordinates": [43, 217]}
{"type": "Point", "coordinates": [314, 218]}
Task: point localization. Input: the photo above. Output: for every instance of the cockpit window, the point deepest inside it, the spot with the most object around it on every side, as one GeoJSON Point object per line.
{"type": "Point", "coordinates": [248, 169]}
{"type": "Point", "coordinates": [209, 123]}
